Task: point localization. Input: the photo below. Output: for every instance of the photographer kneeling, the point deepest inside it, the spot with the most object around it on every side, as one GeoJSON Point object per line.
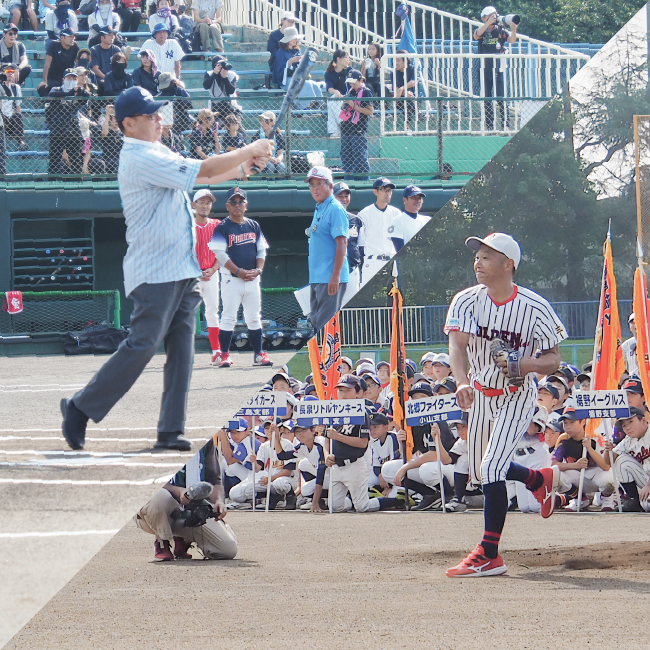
{"type": "Point", "coordinates": [172, 514]}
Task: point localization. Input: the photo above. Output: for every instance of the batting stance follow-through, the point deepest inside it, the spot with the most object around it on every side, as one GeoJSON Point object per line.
{"type": "Point", "coordinates": [504, 333]}
{"type": "Point", "coordinates": [161, 270]}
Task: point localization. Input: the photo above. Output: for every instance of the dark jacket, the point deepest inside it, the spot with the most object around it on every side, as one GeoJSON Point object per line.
{"type": "Point", "coordinates": [146, 80]}
{"type": "Point", "coordinates": [61, 113]}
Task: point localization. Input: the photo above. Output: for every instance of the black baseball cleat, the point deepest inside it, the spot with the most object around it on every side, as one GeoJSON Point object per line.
{"type": "Point", "coordinates": [173, 440]}
{"type": "Point", "coordinates": [290, 501]}
{"type": "Point", "coordinates": [74, 424]}
{"type": "Point", "coordinates": [632, 505]}
{"type": "Point", "coordinates": [430, 502]}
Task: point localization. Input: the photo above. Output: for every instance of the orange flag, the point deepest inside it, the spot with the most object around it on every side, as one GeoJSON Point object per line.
{"type": "Point", "coordinates": [397, 373]}
{"type": "Point", "coordinates": [608, 364]}
{"type": "Point", "coordinates": [324, 364]}
{"type": "Point", "coordinates": [641, 311]}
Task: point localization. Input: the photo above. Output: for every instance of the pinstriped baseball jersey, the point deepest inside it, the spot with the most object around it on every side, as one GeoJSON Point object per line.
{"type": "Point", "coordinates": [203, 236]}
{"type": "Point", "coordinates": [525, 321]}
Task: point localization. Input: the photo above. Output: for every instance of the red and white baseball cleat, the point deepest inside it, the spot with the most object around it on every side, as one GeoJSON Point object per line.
{"type": "Point", "coordinates": [226, 361]}
{"type": "Point", "coordinates": [216, 358]}
{"type": "Point", "coordinates": [477, 565]}
{"type": "Point", "coordinates": [262, 359]}
{"type": "Point", "coordinates": [545, 494]}
{"type": "Point", "coordinates": [163, 551]}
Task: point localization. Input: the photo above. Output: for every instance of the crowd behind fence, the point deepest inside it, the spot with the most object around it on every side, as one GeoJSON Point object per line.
{"type": "Point", "coordinates": [88, 141]}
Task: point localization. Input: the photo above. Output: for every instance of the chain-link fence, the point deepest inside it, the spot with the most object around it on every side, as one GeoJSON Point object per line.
{"type": "Point", "coordinates": [59, 312]}
{"type": "Point", "coordinates": [419, 138]}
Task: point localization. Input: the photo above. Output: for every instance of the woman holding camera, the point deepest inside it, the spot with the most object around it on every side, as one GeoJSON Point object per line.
{"type": "Point", "coordinates": [221, 83]}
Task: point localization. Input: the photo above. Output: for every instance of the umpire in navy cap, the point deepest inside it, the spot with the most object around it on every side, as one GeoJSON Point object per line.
{"type": "Point", "coordinates": [161, 270]}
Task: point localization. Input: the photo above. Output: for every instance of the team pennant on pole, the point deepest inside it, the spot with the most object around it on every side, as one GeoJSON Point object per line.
{"type": "Point", "coordinates": [641, 309]}
{"type": "Point", "coordinates": [324, 363]}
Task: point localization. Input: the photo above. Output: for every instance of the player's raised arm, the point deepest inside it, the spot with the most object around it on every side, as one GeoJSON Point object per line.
{"type": "Point", "coordinates": [236, 163]}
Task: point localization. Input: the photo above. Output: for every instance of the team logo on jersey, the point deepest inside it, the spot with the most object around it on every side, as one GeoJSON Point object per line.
{"type": "Point", "coordinates": [169, 54]}
{"type": "Point", "coordinates": [242, 239]}
{"type": "Point", "coordinates": [513, 339]}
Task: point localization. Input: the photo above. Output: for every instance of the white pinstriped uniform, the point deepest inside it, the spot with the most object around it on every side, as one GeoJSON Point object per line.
{"type": "Point", "coordinates": [629, 356]}
{"type": "Point", "coordinates": [159, 219]}
{"type": "Point", "coordinates": [528, 324]}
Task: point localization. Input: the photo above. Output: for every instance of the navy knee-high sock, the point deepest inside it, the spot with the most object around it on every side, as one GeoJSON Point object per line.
{"type": "Point", "coordinates": [255, 337]}
{"type": "Point", "coordinates": [224, 340]}
{"type": "Point", "coordinates": [631, 490]}
{"type": "Point", "coordinates": [460, 485]}
{"type": "Point", "coordinates": [495, 510]}
{"type": "Point", "coordinates": [531, 477]}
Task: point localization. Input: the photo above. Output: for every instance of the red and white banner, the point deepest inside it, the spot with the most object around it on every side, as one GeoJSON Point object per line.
{"type": "Point", "coordinates": [13, 302]}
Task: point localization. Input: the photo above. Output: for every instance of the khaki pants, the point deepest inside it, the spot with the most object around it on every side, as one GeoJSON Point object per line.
{"type": "Point", "coordinates": [215, 538]}
{"type": "Point", "coordinates": [209, 33]}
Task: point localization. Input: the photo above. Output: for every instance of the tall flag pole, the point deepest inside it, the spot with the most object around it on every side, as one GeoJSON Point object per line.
{"type": "Point", "coordinates": [640, 304]}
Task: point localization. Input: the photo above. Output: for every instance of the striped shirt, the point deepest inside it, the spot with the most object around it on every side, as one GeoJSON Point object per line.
{"type": "Point", "coordinates": [153, 184]}
{"type": "Point", "coordinates": [203, 236]}
{"type": "Point", "coordinates": [526, 322]}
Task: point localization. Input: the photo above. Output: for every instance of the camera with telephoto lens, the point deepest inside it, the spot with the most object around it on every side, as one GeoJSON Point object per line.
{"type": "Point", "coordinates": [199, 509]}
{"type": "Point", "coordinates": [225, 65]}
{"type": "Point", "coordinates": [507, 21]}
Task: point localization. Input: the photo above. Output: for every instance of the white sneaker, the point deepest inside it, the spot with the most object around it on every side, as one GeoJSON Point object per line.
{"type": "Point", "coordinates": [572, 506]}
{"type": "Point", "coordinates": [609, 503]}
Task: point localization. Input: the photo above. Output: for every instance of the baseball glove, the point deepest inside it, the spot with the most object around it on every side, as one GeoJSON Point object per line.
{"type": "Point", "coordinates": [502, 354]}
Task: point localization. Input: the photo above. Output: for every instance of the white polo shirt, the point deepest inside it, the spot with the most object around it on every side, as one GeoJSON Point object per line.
{"type": "Point", "coordinates": [376, 223]}
{"type": "Point", "coordinates": [166, 55]}
{"type": "Point", "coordinates": [153, 184]}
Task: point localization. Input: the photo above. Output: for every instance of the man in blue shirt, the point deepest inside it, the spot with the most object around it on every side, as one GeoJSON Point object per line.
{"type": "Point", "coordinates": [328, 241]}
{"type": "Point", "coordinates": [161, 269]}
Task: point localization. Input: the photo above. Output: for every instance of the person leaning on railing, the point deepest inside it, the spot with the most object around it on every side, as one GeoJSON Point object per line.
{"type": "Point", "coordinates": [11, 51]}
{"type": "Point", "coordinates": [492, 39]}
{"type": "Point", "coordinates": [405, 86]}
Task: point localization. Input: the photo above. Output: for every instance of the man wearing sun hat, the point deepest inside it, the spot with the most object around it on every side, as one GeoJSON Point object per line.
{"type": "Point", "coordinates": [328, 240]}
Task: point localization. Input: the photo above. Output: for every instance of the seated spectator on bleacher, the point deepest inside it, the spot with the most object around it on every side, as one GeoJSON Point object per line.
{"type": "Point", "coordinates": [60, 18]}
{"type": "Point", "coordinates": [204, 139]}
{"type": "Point", "coordinates": [21, 10]}
{"type": "Point", "coordinates": [101, 55]}
{"type": "Point", "coordinates": [354, 139]}
{"type": "Point", "coordinates": [405, 86]}
{"type": "Point", "coordinates": [130, 11]}
{"type": "Point", "coordinates": [272, 45]}
{"type": "Point", "coordinates": [147, 75]}
{"type": "Point", "coordinates": [12, 115]}
{"type": "Point", "coordinates": [167, 50]}
{"type": "Point", "coordinates": [170, 86]}
{"type": "Point", "coordinates": [222, 84]}
{"type": "Point", "coordinates": [109, 140]}
{"type": "Point", "coordinates": [60, 56]}
{"type": "Point", "coordinates": [287, 59]}
{"type": "Point", "coordinates": [83, 58]}
{"type": "Point", "coordinates": [89, 80]}
{"type": "Point", "coordinates": [163, 15]}
{"type": "Point", "coordinates": [43, 7]}
{"type": "Point", "coordinates": [11, 51]}
{"type": "Point", "coordinates": [335, 76]}
{"type": "Point", "coordinates": [268, 131]}
{"type": "Point", "coordinates": [371, 68]}
{"type": "Point", "coordinates": [207, 24]}
{"type": "Point", "coordinates": [62, 118]}
{"type": "Point", "coordinates": [118, 79]}
{"type": "Point", "coordinates": [102, 16]}
{"type": "Point", "coordinates": [234, 138]}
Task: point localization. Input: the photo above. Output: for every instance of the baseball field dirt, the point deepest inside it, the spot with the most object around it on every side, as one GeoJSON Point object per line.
{"type": "Point", "coordinates": [371, 581]}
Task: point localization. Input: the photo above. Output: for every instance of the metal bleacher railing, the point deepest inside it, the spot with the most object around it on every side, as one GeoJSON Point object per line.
{"type": "Point", "coordinates": [406, 138]}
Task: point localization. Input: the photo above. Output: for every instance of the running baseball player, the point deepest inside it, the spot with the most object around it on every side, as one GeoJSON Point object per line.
{"type": "Point", "coordinates": [376, 218]}
{"type": "Point", "coordinates": [356, 241]}
{"type": "Point", "coordinates": [408, 223]}
{"type": "Point", "coordinates": [209, 280]}
{"type": "Point", "coordinates": [160, 268]}
{"type": "Point", "coordinates": [240, 247]}
{"type": "Point", "coordinates": [504, 333]}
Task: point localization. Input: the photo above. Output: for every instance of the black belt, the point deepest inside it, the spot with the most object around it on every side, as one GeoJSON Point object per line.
{"type": "Point", "coordinates": [383, 258]}
{"type": "Point", "coordinates": [525, 451]}
{"type": "Point", "coordinates": [345, 461]}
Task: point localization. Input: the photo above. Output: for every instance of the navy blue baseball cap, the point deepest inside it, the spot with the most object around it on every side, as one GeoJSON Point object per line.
{"type": "Point", "coordinates": [236, 191]}
{"type": "Point", "coordinates": [448, 382]}
{"type": "Point", "coordinates": [65, 32]}
{"type": "Point", "coordinates": [159, 27]}
{"type": "Point", "coordinates": [382, 182]}
{"type": "Point", "coordinates": [547, 386]}
{"type": "Point", "coordinates": [136, 101]}
{"type": "Point", "coordinates": [349, 381]}
{"type": "Point", "coordinates": [378, 418]}
{"type": "Point", "coordinates": [633, 386]}
{"type": "Point", "coordinates": [353, 75]}
{"type": "Point", "coordinates": [106, 29]}
{"type": "Point", "coordinates": [341, 187]}
{"type": "Point", "coordinates": [412, 190]}
{"type": "Point", "coordinates": [422, 387]}
{"type": "Point", "coordinates": [9, 27]}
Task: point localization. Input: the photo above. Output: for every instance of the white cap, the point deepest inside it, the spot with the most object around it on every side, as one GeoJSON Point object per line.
{"type": "Point", "coordinates": [366, 367]}
{"type": "Point", "coordinates": [320, 172]}
{"type": "Point", "coordinates": [497, 241]}
{"type": "Point", "coordinates": [631, 318]}
{"type": "Point", "coordinates": [442, 358]}
{"type": "Point", "coordinates": [201, 193]}
{"type": "Point", "coordinates": [428, 356]}
{"type": "Point", "coordinates": [287, 15]}
{"type": "Point", "coordinates": [488, 10]}
{"type": "Point", "coordinates": [541, 417]}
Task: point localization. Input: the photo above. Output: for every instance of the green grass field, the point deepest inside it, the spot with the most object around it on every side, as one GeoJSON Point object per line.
{"type": "Point", "coordinates": [576, 352]}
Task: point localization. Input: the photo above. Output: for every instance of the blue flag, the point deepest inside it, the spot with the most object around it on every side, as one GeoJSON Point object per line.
{"type": "Point", "coordinates": [407, 42]}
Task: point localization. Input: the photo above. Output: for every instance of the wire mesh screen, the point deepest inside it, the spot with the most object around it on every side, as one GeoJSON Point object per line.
{"type": "Point", "coordinates": [414, 137]}
{"type": "Point", "coordinates": [59, 312]}
{"type": "Point", "coordinates": [642, 146]}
